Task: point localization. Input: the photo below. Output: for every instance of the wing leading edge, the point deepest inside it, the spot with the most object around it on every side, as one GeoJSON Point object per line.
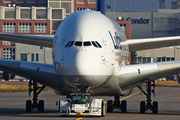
{"type": "Point", "coordinates": [131, 75]}
{"type": "Point", "coordinates": [27, 39]}
{"type": "Point", "coordinates": [144, 44]}
{"type": "Point", "coordinates": [43, 73]}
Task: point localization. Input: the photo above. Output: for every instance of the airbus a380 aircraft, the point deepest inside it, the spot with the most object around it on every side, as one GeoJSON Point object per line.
{"type": "Point", "coordinates": [90, 54]}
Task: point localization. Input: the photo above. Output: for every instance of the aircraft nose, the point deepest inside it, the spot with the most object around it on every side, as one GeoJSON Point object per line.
{"type": "Point", "coordinates": [83, 67]}
{"type": "Point", "coordinates": [83, 63]}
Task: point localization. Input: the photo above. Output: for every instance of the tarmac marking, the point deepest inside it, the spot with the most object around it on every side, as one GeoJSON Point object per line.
{"type": "Point", "coordinates": [120, 100]}
{"type": "Point", "coordinates": [130, 95]}
{"type": "Point", "coordinates": [79, 118]}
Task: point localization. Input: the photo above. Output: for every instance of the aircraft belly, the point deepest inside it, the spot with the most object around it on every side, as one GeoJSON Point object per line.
{"type": "Point", "coordinates": [87, 80]}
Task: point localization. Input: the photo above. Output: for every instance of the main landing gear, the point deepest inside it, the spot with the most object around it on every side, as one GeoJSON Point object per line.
{"type": "Point", "coordinates": [34, 104]}
{"type": "Point", "coordinates": [148, 104]}
{"type": "Point", "coordinates": [117, 105]}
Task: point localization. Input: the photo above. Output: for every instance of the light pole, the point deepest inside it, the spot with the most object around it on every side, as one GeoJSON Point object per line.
{"type": "Point", "coordinates": [109, 7]}
{"type": "Point", "coordinates": [114, 9]}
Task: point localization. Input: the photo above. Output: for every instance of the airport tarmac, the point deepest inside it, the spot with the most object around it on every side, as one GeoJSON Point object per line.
{"type": "Point", "coordinates": [12, 106]}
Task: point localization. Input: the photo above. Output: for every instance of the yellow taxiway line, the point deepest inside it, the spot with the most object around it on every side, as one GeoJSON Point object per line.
{"type": "Point", "coordinates": [130, 95]}
{"type": "Point", "coordinates": [79, 118]}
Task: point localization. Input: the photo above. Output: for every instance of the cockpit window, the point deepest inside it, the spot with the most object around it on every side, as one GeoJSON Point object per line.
{"type": "Point", "coordinates": [98, 45]}
{"type": "Point", "coordinates": [70, 44]}
{"type": "Point", "coordinates": [67, 44]}
{"type": "Point", "coordinates": [87, 43]}
{"type": "Point", "coordinates": [94, 44]}
{"type": "Point", "coordinates": [78, 43]}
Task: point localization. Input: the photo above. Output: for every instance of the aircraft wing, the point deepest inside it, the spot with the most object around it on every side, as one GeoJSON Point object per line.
{"type": "Point", "coordinates": [131, 75]}
{"type": "Point", "coordinates": [150, 43]}
{"type": "Point", "coordinates": [43, 73]}
{"type": "Point", "coordinates": [27, 39]}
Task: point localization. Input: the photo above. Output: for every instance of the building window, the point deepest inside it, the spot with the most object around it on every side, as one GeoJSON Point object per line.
{"type": "Point", "coordinates": [19, 1]}
{"type": "Point", "coordinates": [32, 57]}
{"type": "Point", "coordinates": [6, 43]}
{"type": "Point", "coordinates": [9, 53]}
{"type": "Point", "coordinates": [54, 4]}
{"type": "Point", "coordinates": [9, 27]}
{"type": "Point", "coordinates": [41, 14]}
{"type": "Point", "coordinates": [9, 13]}
{"type": "Point", "coordinates": [23, 56]}
{"type": "Point", "coordinates": [25, 27]}
{"type": "Point", "coordinates": [37, 57]}
{"type": "Point", "coordinates": [57, 14]}
{"type": "Point", "coordinates": [81, 1]}
{"type": "Point", "coordinates": [40, 27]}
{"type": "Point", "coordinates": [31, 1]}
{"type": "Point", "coordinates": [42, 1]}
{"type": "Point", "coordinates": [67, 6]}
{"type": "Point", "coordinates": [55, 24]}
{"type": "Point", "coordinates": [80, 9]}
{"type": "Point", "coordinates": [123, 27]}
{"type": "Point", "coordinates": [41, 47]}
{"type": "Point", "coordinates": [9, 1]}
{"type": "Point", "coordinates": [92, 1]}
{"type": "Point", "coordinates": [91, 8]}
{"type": "Point", "coordinates": [25, 13]}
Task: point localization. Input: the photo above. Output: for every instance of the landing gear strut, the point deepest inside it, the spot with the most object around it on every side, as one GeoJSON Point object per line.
{"type": "Point", "coordinates": [148, 104]}
{"type": "Point", "coordinates": [117, 105]}
{"type": "Point", "coordinates": [34, 104]}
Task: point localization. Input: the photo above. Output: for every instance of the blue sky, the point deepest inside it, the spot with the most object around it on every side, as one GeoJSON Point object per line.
{"type": "Point", "coordinates": [131, 5]}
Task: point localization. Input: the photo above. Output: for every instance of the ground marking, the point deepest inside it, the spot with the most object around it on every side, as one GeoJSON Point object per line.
{"type": "Point", "coordinates": [120, 100]}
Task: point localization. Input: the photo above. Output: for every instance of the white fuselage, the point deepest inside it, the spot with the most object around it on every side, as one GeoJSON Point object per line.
{"type": "Point", "coordinates": [80, 61]}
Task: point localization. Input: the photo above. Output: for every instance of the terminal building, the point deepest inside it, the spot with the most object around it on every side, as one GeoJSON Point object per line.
{"type": "Point", "coordinates": [37, 17]}
{"type": "Point", "coordinates": [163, 23]}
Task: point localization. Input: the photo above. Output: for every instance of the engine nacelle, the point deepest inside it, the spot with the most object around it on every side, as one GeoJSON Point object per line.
{"type": "Point", "coordinates": [7, 76]}
{"type": "Point", "coordinates": [177, 78]}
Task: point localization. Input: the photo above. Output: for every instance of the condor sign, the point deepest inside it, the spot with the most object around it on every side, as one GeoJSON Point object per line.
{"type": "Point", "coordinates": [138, 21]}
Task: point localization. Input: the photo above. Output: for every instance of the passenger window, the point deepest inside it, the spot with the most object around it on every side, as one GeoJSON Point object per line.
{"type": "Point", "coordinates": [67, 44]}
{"type": "Point", "coordinates": [87, 43]}
{"type": "Point", "coordinates": [94, 44]}
{"type": "Point", "coordinates": [78, 43]}
{"type": "Point", "coordinates": [70, 44]}
{"type": "Point", "coordinates": [98, 45]}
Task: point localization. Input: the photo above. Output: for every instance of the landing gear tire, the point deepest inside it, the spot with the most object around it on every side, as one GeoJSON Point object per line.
{"type": "Point", "coordinates": [124, 106]}
{"type": "Point", "coordinates": [102, 109]}
{"type": "Point", "coordinates": [28, 106]}
{"type": "Point", "coordinates": [155, 107]}
{"type": "Point", "coordinates": [41, 106]}
{"type": "Point", "coordinates": [142, 107]}
{"type": "Point", "coordinates": [109, 106]}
